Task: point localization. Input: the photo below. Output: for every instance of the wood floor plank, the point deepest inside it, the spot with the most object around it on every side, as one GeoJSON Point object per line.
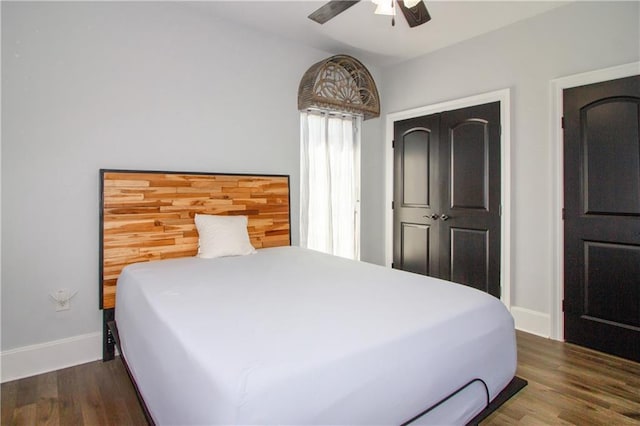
{"type": "Point", "coordinates": [8, 399]}
{"type": "Point", "coordinates": [568, 385]}
{"type": "Point", "coordinates": [92, 404]}
{"type": "Point", "coordinates": [120, 399]}
{"type": "Point", "coordinates": [24, 415]}
{"type": "Point", "coordinates": [27, 392]}
{"type": "Point", "coordinates": [47, 409]}
{"type": "Point", "coordinates": [68, 406]}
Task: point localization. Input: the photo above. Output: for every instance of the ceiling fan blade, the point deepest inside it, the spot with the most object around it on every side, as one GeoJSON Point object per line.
{"type": "Point", "coordinates": [416, 15]}
{"type": "Point", "coordinates": [331, 9]}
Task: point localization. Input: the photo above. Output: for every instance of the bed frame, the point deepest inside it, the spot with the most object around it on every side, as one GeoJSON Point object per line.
{"type": "Point", "coordinates": [149, 215]}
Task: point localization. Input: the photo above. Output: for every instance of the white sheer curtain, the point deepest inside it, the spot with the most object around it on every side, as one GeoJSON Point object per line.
{"type": "Point", "coordinates": [330, 183]}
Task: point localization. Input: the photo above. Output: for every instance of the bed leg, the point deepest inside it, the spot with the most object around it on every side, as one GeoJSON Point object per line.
{"type": "Point", "coordinates": [108, 340]}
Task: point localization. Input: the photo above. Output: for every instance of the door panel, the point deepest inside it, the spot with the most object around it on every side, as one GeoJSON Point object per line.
{"type": "Point", "coordinates": [602, 216]}
{"type": "Point", "coordinates": [447, 196]}
{"type": "Point", "coordinates": [416, 167]}
{"type": "Point", "coordinates": [617, 264]}
{"type": "Point", "coordinates": [609, 141]}
{"type": "Point", "coordinates": [469, 266]}
{"type": "Point", "coordinates": [469, 165]}
{"type": "Point", "coordinates": [415, 248]}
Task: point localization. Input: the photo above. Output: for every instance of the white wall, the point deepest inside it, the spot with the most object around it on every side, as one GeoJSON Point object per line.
{"type": "Point", "coordinates": [523, 57]}
{"type": "Point", "coordinates": [372, 174]}
{"type": "Point", "coordinates": [90, 85]}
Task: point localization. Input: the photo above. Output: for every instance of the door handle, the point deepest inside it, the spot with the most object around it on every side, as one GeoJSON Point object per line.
{"type": "Point", "coordinates": [444, 217]}
{"type": "Point", "coordinates": [433, 216]}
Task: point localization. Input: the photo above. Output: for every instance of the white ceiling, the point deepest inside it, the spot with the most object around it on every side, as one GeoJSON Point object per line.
{"type": "Point", "coordinates": [369, 37]}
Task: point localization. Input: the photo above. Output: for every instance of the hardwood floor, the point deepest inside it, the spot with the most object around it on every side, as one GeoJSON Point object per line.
{"type": "Point", "coordinates": [568, 385]}
{"type": "Point", "coordinates": [571, 385]}
{"type": "Point", "coordinates": [97, 393]}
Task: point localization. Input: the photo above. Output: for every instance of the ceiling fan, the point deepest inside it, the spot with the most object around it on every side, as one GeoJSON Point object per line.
{"type": "Point", "coordinates": [414, 11]}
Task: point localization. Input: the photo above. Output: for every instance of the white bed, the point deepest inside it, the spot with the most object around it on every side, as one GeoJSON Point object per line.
{"type": "Point", "coordinates": [293, 336]}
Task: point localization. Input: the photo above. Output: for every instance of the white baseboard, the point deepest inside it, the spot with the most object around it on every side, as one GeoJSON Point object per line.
{"type": "Point", "coordinates": [44, 357]}
{"type": "Point", "coordinates": [531, 321]}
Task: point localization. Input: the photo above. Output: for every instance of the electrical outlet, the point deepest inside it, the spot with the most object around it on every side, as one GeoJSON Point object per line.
{"type": "Point", "coordinates": [62, 300]}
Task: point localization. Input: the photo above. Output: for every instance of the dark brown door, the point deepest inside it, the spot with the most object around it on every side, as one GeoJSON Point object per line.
{"type": "Point", "coordinates": [602, 216]}
{"type": "Point", "coordinates": [447, 196]}
{"type": "Point", "coordinates": [416, 195]}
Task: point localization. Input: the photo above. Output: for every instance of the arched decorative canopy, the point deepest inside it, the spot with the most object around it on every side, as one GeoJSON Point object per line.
{"type": "Point", "coordinates": [339, 83]}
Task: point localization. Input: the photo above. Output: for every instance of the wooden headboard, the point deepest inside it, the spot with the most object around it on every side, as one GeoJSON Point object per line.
{"type": "Point", "coordinates": [149, 215]}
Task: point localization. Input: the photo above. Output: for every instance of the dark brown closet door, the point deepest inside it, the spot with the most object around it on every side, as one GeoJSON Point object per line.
{"type": "Point", "coordinates": [470, 171]}
{"type": "Point", "coordinates": [602, 216]}
{"type": "Point", "coordinates": [416, 195]}
{"type": "Point", "coordinates": [447, 196]}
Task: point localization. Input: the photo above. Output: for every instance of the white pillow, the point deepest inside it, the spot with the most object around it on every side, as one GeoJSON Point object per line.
{"type": "Point", "coordinates": [222, 236]}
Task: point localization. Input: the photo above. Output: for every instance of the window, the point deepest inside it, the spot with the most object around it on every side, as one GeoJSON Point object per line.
{"type": "Point", "coordinates": [330, 183]}
{"type": "Point", "coordinates": [334, 96]}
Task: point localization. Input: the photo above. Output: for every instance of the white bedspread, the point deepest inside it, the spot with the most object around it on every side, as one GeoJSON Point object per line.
{"type": "Point", "coordinates": [293, 336]}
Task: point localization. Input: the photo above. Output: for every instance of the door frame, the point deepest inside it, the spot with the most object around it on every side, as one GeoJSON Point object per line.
{"type": "Point", "coordinates": [556, 149]}
{"type": "Point", "coordinates": [504, 97]}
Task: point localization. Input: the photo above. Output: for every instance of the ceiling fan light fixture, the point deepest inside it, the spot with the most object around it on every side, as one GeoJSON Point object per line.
{"type": "Point", "coordinates": [385, 7]}
{"type": "Point", "coordinates": [415, 12]}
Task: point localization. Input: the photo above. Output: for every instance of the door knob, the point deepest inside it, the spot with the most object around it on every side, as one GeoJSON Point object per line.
{"type": "Point", "coordinates": [444, 217]}
{"type": "Point", "coordinates": [433, 216]}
